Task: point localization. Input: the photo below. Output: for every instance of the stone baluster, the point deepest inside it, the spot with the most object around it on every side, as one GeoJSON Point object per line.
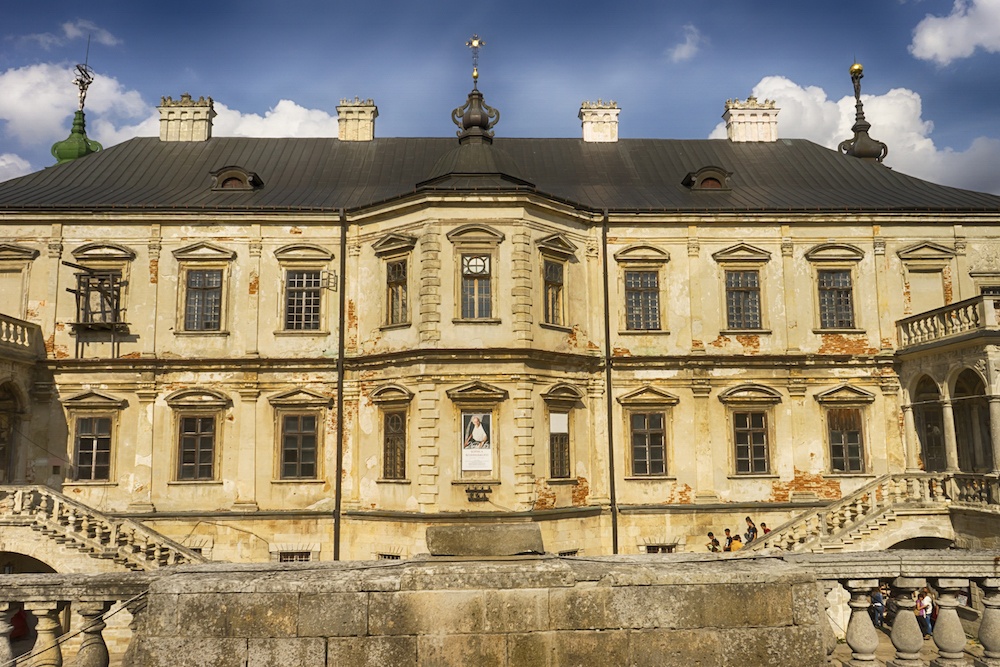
{"type": "Point", "coordinates": [47, 651]}
{"type": "Point", "coordinates": [7, 611]}
{"type": "Point", "coordinates": [989, 627]}
{"type": "Point", "coordinates": [949, 635]}
{"type": "Point", "coordinates": [136, 607]}
{"type": "Point", "coordinates": [861, 635]}
{"type": "Point", "coordinates": [93, 651]}
{"type": "Point", "coordinates": [907, 637]}
{"type": "Point", "coordinates": [829, 636]}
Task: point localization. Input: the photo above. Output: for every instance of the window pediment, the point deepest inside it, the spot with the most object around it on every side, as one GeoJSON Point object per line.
{"type": "Point", "coordinates": [927, 256]}
{"type": "Point", "coordinates": [558, 245]}
{"type": "Point", "coordinates": [303, 252]}
{"type": "Point", "coordinates": [235, 179]}
{"type": "Point", "coordinates": [844, 394]}
{"type": "Point", "coordinates": [562, 395]}
{"type": "Point", "coordinates": [393, 243]}
{"type": "Point", "coordinates": [474, 233]}
{"type": "Point", "coordinates": [642, 253]}
{"type": "Point", "coordinates": [204, 251]}
{"type": "Point", "coordinates": [191, 399]}
{"type": "Point", "coordinates": [834, 252]}
{"type": "Point", "coordinates": [391, 393]}
{"type": "Point", "coordinates": [741, 252]}
{"type": "Point", "coordinates": [11, 252]}
{"type": "Point", "coordinates": [750, 393]}
{"type": "Point", "coordinates": [93, 400]}
{"type": "Point", "coordinates": [648, 396]}
{"type": "Point", "coordinates": [299, 398]}
{"type": "Point", "coordinates": [477, 392]}
{"type": "Point", "coordinates": [103, 252]}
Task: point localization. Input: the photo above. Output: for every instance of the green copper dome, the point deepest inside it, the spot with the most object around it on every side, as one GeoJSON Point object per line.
{"type": "Point", "coordinates": [77, 144]}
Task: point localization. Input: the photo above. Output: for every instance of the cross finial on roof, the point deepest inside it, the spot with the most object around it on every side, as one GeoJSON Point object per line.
{"type": "Point", "coordinates": [475, 44]}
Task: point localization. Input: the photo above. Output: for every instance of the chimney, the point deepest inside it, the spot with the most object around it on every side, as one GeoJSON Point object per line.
{"type": "Point", "coordinates": [186, 119]}
{"type": "Point", "coordinates": [599, 121]}
{"type": "Point", "coordinates": [751, 120]}
{"type": "Point", "coordinates": [356, 120]}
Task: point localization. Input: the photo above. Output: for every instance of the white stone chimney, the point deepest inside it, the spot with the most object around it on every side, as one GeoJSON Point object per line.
{"type": "Point", "coordinates": [186, 119]}
{"type": "Point", "coordinates": [599, 121]}
{"type": "Point", "coordinates": [751, 120]}
{"type": "Point", "coordinates": [356, 120]}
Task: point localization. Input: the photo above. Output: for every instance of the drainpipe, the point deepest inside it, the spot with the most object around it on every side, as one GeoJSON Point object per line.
{"type": "Point", "coordinates": [607, 387]}
{"type": "Point", "coordinates": [341, 344]}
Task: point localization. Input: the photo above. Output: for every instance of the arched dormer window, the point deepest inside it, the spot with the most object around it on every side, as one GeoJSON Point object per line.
{"type": "Point", "coordinates": [709, 178]}
{"type": "Point", "coordinates": [235, 178]}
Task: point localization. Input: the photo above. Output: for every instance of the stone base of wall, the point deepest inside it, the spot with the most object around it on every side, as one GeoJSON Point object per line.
{"type": "Point", "coordinates": [524, 611]}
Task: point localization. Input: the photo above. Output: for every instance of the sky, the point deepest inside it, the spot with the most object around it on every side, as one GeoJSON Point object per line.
{"type": "Point", "coordinates": [278, 69]}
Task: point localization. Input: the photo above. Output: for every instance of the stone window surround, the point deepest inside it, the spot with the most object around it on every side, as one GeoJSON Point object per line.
{"type": "Point", "coordinates": [203, 256]}
{"type": "Point", "coordinates": [563, 398]}
{"type": "Point", "coordinates": [198, 403]}
{"type": "Point", "coordinates": [298, 402]}
{"type": "Point", "coordinates": [304, 257]}
{"type": "Point", "coordinates": [743, 257]}
{"type": "Point", "coordinates": [642, 258]}
{"type": "Point", "coordinates": [647, 399]}
{"type": "Point", "coordinates": [751, 397]}
{"type": "Point", "coordinates": [18, 259]}
{"type": "Point", "coordinates": [479, 397]}
{"type": "Point", "coordinates": [392, 398]}
{"type": "Point", "coordinates": [558, 249]}
{"type": "Point", "coordinates": [98, 405]}
{"type": "Point", "coordinates": [394, 248]}
{"type": "Point", "coordinates": [476, 239]}
{"type": "Point", "coordinates": [108, 257]}
{"type": "Point", "coordinates": [836, 257]}
{"type": "Point", "coordinates": [846, 396]}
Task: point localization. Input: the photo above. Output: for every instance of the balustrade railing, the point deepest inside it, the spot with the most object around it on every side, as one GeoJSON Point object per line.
{"type": "Point", "coordinates": [979, 312]}
{"type": "Point", "coordinates": [19, 336]}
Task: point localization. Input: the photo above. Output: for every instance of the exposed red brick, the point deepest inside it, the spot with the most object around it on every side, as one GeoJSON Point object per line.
{"type": "Point", "coordinates": [581, 492]}
{"type": "Point", "coordinates": [154, 271]}
{"type": "Point", "coordinates": [855, 344]}
{"type": "Point", "coordinates": [295, 230]}
{"type": "Point", "coordinates": [721, 341]}
{"type": "Point", "coordinates": [804, 482]}
{"type": "Point", "coordinates": [131, 355]}
{"type": "Point", "coordinates": [621, 352]}
{"type": "Point", "coordinates": [949, 291]}
{"type": "Point", "coordinates": [254, 282]}
{"type": "Point", "coordinates": [545, 497]}
{"type": "Point", "coordinates": [680, 495]}
{"type": "Point", "coordinates": [697, 344]}
{"type": "Point", "coordinates": [750, 343]}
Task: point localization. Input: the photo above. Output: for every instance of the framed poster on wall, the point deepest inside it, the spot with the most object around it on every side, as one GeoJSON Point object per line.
{"type": "Point", "coordinates": [477, 442]}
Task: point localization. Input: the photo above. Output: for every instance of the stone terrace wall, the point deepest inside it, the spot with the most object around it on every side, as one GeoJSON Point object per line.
{"type": "Point", "coordinates": [524, 611]}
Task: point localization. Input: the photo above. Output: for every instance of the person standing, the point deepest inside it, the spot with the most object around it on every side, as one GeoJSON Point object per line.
{"type": "Point", "coordinates": [877, 608]}
{"type": "Point", "coordinates": [925, 605]}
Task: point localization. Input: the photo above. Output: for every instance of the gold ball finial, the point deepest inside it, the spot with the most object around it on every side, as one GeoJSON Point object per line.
{"type": "Point", "coordinates": [856, 68]}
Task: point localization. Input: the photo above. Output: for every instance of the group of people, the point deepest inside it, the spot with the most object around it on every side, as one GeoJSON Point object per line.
{"type": "Point", "coordinates": [924, 609]}
{"type": "Point", "coordinates": [735, 542]}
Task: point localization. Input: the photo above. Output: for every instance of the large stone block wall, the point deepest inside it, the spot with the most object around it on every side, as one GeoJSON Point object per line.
{"type": "Point", "coordinates": [544, 611]}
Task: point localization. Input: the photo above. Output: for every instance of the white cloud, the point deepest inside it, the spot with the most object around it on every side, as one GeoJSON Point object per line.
{"type": "Point", "coordinates": [36, 102]}
{"type": "Point", "coordinates": [286, 119]}
{"type": "Point", "coordinates": [72, 30]}
{"type": "Point", "coordinates": [972, 24]}
{"type": "Point", "coordinates": [12, 166]}
{"type": "Point", "coordinates": [689, 48]}
{"type": "Point", "coordinates": [896, 118]}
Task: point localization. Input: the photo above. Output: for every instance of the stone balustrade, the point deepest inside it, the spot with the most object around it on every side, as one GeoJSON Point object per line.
{"type": "Point", "coordinates": [18, 337]}
{"type": "Point", "coordinates": [673, 609]}
{"type": "Point", "coordinates": [977, 313]}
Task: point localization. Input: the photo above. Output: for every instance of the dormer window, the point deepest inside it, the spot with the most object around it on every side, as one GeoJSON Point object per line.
{"type": "Point", "coordinates": [235, 178]}
{"type": "Point", "coordinates": [708, 178]}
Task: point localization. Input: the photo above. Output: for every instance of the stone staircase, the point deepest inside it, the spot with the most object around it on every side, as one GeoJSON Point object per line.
{"type": "Point", "coordinates": [878, 507]}
{"type": "Point", "coordinates": [77, 526]}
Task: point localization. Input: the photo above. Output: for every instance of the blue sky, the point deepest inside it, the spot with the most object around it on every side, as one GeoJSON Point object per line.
{"type": "Point", "coordinates": [931, 85]}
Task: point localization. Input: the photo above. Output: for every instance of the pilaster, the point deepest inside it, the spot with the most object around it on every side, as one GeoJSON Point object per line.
{"type": "Point", "coordinates": [142, 470]}
{"type": "Point", "coordinates": [428, 444]}
{"type": "Point", "coordinates": [522, 292]}
{"type": "Point", "coordinates": [246, 447]}
{"type": "Point", "coordinates": [430, 287]}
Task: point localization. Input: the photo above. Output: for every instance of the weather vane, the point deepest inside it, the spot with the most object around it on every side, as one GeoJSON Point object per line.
{"type": "Point", "coordinates": [475, 44]}
{"type": "Point", "coordinates": [84, 76]}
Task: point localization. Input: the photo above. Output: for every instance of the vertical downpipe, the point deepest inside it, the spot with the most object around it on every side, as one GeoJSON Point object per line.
{"type": "Point", "coordinates": [612, 494]}
{"type": "Point", "coordinates": [341, 344]}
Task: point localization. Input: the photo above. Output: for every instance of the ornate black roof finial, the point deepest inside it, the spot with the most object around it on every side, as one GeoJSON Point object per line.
{"type": "Point", "coordinates": [862, 146]}
{"type": "Point", "coordinates": [475, 119]}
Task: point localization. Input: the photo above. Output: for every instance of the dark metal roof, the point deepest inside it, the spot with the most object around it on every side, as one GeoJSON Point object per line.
{"type": "Point", "coordinates": [631, 174]}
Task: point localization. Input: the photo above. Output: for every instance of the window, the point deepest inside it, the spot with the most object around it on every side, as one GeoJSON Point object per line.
{"type": "Point", "coordinates": [750, 438]}
{"type": "Point", "coordinates": [303, 292]}
{"type": "Point", "coordinates": [93, 449]}
{"type": "Point", "coordinates": [743, 299]}
{"type": "Point", "coordinates": [294, 556]}
{"type": "Point", "coordinates": [648, 436]}
{"type": "Point", "coordinates": [836, 299]}
{"type": "Point", "coordinates": [559, 467]}
{"type": "Point", "coordinates": [477, 296]}
{"type": "Point", "coordinates": [642, 300]}
{"type": "Point", "coordinates": [569, 553]}
{"type": "Point", "coordinates": [100, 285]}
{"type": "Point", "coordinates": [197, 448]}
{"type": "Point", "coordinates": [394, 444]}
{"type": "Point", "coordinates": [661, 548]}
{"type": "Point", "coordinates": [298, 446]}
{"type": "Point", "coordinates": [553, 288]}
{"type": "Point", "coordinates": [203, 300]}
{"type": "Point", "coordinates": [388, 556]}
{"type": "Point", "coordinates": [15, 269]}
{"type": "Point", "coordinates": [395, 292]}
{"type": "Point", "coordinates": [846, 441]}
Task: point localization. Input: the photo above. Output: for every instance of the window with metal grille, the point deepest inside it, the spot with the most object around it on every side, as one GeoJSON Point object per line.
{"type": "Point", "coordinates": [394, 445]}
{"type": "Point", "coordinates": [294, 556]}
{"type": "Point", "coordinates": [559, 467]}
{"type": "Point", "coordinates": [649, 439]}
{"type": "Point", "coordinates": [743, 299]}
{"type": "Point", "coordinates": [303, 294]}
{"type": "Point", "coordinates": [386, 556]}
{"type": "Point", "coordinates": [298, 446]}
{"type": "Point", "coordinates": [846, 440]}
{"type": "Point", "coordinates": [569, 552]}
{"type": "Point", "coordinates": [750, 437]}
{"type": "Point", "coordinates": [93, 448]}
{"type": "Point", "coordinates": [836, 299]}
{"type": "Point", "coordinates": [98, 297]}
{"type": "Point", "coordinates": [553, 291]}
{"type": "Point", "coordinates": [395, 287]}
{"type": "Point", "coordinates": [477, 295]}
{"type": "Point", "coordinates": [661, 548]}
{"type": "Point", "coordinates": [203, 300]}
{"type": "Point", "coordinates": [642, 300]}
{"type": "Point", "coordinates": [197, 448]}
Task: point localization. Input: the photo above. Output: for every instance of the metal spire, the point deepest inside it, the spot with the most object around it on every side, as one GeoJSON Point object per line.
{"type": "Point", "coordinates": [475, 44]}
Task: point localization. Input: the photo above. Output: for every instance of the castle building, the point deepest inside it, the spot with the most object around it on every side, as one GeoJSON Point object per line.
{"type": "Point", "coordinates": [312, 349]}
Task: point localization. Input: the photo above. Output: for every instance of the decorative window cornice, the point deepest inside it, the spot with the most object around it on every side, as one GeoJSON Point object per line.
{"type": "Point", "coordinates": [557, 245]}
{"type": "Point", "coordinates": [741, 252]}
{"type": "Point", "coordinates": [204, 251]}
{"type": "Point", "coordinates": [394, 243]}
{"type": "Point", "coordinates": [562, 396]}
{"type": "Point", "coordinates": [642, 253]}
{"type": "Point", "coordinates": [197, 399]}
{"type": "Point", "coordinates": [844, 394]}
{"type": "Point", "coordinates": [474, 233]}
{"type": "Point", "coordinates": [834, 252]}
{"type": "Point", "coordinates": [103, 252]}
{"type": "Point", "coordinates": [391, 394]}
{"type": "Point", "coordinates": [477, 392]}
{"type": "Point", "coordinates": [648, 396]}
{"type": "Point", "coordinates": [750, 393]}
{"type": "Point", "coordinates": [300, 398]}
{"type": "Point", "coordinates": [11, 252]}
{"type": "Point", "coordinates": [926, 256]}
{"type": "Point", "coordinates": [93, 400]}
{"type": "Point", "coordinates": [303, 252]}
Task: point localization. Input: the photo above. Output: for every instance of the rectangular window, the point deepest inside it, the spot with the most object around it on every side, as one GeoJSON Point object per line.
{"type": "Point", "coordinates": [203, 300]}
{"type": "Point", "coordinates": [642, 301]}
{"type": "Point", "coordinates": [750, 436]}
{"type": "Point", "coordinates": [477, 297]}
{"type": "Point", "coordinates": [661, 548]}
{"type": "Point", "coordinates": [294, 556]}
{"type": "Point", "coordinates": [836, 299]}
{"type": "Point", "coordinates": [197, 448]}
{"type": "Point", "coordinates": [98, 297]}
{"type": "Point", "coordinates": [303, 295]}
{"type": "Point", "coordinates": [553, 291]}
{"type": "Point", "coordinates": [846, 442]}
{"type": "Point", "coordinates": [93, 448]}
{"type": "Point", "coordinates": [559, 445]}
{"type": "Point", "coordinates": [743, 299]}
{"type": "Point", "coordinates": [385, 556]}
{"type": "Point", "coordinates": [395, 287]}
{"type": "Point", "coordinates": [298, 446]}
{"type": "Point", "coordinates": [649, 439]}
{"type": "Point", "coordinates": [394, 445]}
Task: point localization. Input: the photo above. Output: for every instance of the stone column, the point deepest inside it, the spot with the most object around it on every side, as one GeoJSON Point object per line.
{"type": "Point", "coordinates": [47, 651]}
{"type": "Point", "coordinates": [989, 627]}
{"type": "Point", "coordinates": [907, 637]}
{"type": "Point", "coordinates": [949, 635]}
{"type": "Point", "coordinates": [7, 611]}
{"type": "Point", "coordinates": [994, 434]}
{"type": "Point", "coordinates": [705, 457]}
{"type": "Point", "coordinates": [142, 486]}
{"type": "Point", "coordinates": [792, 337]}
{"type": "Point", "coordinates": [950, 440]}
{"type": "Point", "coordinates": [910, 440]}
{"type": "Point", "coordinates": [246, 460]}
{"type": "Point", "coordinates": [93, 651]}
{"type": "Point", "coordinates": [861, 634]}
